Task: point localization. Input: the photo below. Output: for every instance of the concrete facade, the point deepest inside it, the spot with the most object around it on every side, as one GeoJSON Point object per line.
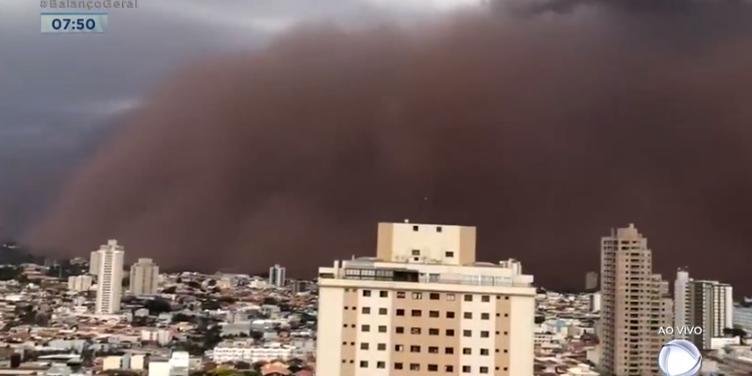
{"type": "Point", "coordinates": [442, 312]}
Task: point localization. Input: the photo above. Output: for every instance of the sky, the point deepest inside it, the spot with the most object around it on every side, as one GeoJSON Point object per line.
{"type": "Point", "coordinates": [269, 132]}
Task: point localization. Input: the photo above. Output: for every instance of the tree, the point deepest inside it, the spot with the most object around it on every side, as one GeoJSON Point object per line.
{"type": "Point", "coordinates": [157, 306]}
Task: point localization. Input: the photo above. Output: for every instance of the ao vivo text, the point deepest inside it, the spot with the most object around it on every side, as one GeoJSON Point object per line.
{"type": "Point", "coordinates": [680, 330]}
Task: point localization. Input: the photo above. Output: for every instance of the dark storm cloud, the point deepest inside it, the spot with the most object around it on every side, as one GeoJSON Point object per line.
{"type": "Point", "coordinates": [60, 94]}
{"type": "Point", "coordinates": [543, 131]}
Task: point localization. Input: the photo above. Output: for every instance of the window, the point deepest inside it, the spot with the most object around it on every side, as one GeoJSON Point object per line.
{"type": "Point", "coordinates": [433, 367]}
{"type": "Point", "coordinates": [366, 292]}
{"type": "Point", "coordinates": [466, 369]}
{"type": "Point", "coordinates": [450, 314]}
{"type": "Point", "coordinates": [483, 369]}
{"type": "Point", "coordinates": [448, 254]}
{"type": "Point", "coordinates": [415, 228]}
{"type": "Point", "coordinates": [363, 364]}
{"type": "Point", "coordinates": [380, 364]}
{"type": "Point", "coordinates": [416, 252]}
{"type": "Point", "coordinates": [450, 332]}
{"type": "Point", "coordinates": [364, 345]}
{"type": "Point", "coordinates": [467, 333]}
{"type": "Point", "coordinates": [414, 349]}
{"type": "Point", "coordinates": [415, 313]}
{"type": "Point", "coordinates": [433, 296]}
{"type": "Point", "coordinates": [467, 315]}
{"type": "Point", "coordinates": [449, 368]}
{"type": "Point", "coordinates": [466, 351]}
{"type": "Point", "coordinates": [483, 351]}
{"type": "Point", "coordinates": [433, 313]}
{"type": "Point", "coordinates": [399, 329]}
{"type": "Point", "coordinates": [449, 350]}
{"type": "Point", "coordinates": [450, 297]}
{"type": "Point", "coordinates": [365, 328]}
{"type": "Point", "coordinates": [397, 365]}
{"type": "Point", "coordinates": [485, 298]}
{"type": "Point", "coordinates": [400, 295]}
{"type": "Point", "coordinates": [414, 330]}
{"type": "Point", "coordinates": [417, 295]}
{"type": "Point", "coordinates": [381, 347]}
{"type": "Point", "coordinates": [468, 298]}
{"type": "Point", "coordinates": [400, 312]}
{"type": "Point", "coordinates": [399, 348]}
{"type": "Point", "coordinates": [414, 367]}
{"type": "Point", "coordinates": [383, 294]}
{"type": "Point", "coordinates": [433, 349]}
{"type": "Point", "coordinates": [382, 328]}
{"type": "Point", "coordinates": [433, 332]}
{"type": "Point", "coordinates": [382, 311]}
{"type": "Point", "coordinates": [365, 310]}
{"type": "Point", "coordinates": [485, 316]}
{"type": "Point", "coordinates": [484, 334]}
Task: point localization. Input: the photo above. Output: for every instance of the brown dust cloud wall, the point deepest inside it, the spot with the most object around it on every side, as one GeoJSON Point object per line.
{"type": "Point", "coordinates": [544, 126]}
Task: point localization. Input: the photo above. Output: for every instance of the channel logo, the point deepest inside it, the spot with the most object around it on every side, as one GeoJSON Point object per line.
{"type": "Point", "coordinates": [679, 358]}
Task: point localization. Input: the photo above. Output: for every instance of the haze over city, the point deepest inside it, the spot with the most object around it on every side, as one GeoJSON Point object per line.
{"type": "Point", "coordinates": [244, 144]}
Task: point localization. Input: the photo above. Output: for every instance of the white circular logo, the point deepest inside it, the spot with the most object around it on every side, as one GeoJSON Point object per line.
{"type": "Point", "coordinates": [679, 358]}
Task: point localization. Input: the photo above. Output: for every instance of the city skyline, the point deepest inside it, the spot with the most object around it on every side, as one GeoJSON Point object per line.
{"type": "Point", "coordinates": [573, 285]}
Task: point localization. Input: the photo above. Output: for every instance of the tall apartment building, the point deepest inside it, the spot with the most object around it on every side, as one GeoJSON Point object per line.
{"type": "Point", "coordinates": [94, 261]}
{"type": "Point", "coordinates": [277, 275]}
{"type": "Point", "coordinates": [424, 305]}
{"type": "Point", "coordinates": [591, 281]}
{"type": "Point", "coordinates": [707, 304]}
{"type": "Point", "coordinates": [144, 277]}
{"type": "Point", "coordinates": [635, 304]}
{"type": "Point", "coordinates": [742, 316]}
{"type": "Point", "coordinates": [681, 300]}
{"type": "Point", "coordinates": [79, 283]}
{"type": "Point", "coordinates": [109, 277]}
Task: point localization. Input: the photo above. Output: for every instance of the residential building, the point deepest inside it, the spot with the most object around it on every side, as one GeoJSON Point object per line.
{"type": "Point", "coordinates": [711, 307]}
{"type": "Point", "coordinates": [705, 304]}
{"type": "Point", "coordinates": [277, 275]}
{"type": "Point", "coordinates": [94, 263]}
{"type": "Point", "coordinates": [79, 283]}
{"type": "Point", "coordinates": [112, 362]}
{"type": "Point", "coordinates": [681, 300]}
{"type": "Point", "coordinates": [634, 305]}
{"type": "Point", "coordinates": [591, 281]}
{"type": "Point", "coordinates": [425, 305]}
{"type": "Point", "coordinates": [240, 351]}
{"type": "Point", "coordinates": [110, 277]}
{"type": "Point", "coordinates": [144, 278]}
{"type": "Point", "coordinates": [742, 316]}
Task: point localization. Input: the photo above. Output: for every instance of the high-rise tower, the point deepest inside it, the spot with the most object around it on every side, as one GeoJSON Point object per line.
{"type": "Point", "coordinates": [634, 305]}
{"type": "Point", "coordinates": [424, 306]}
{"type": "Point", "coordinates": [144, 278]}
{"type": "Point", "coordinates": [110, 277]}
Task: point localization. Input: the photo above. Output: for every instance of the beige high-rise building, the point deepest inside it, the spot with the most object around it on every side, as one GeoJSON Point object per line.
{"type": "Point", "coordinates": [109, 277]}
{"type": "Point", "coordinates": [94, 263]}
{"type": "Point", "coordinates": [80, 283]}
{"type": "Point", "coordinates": [144, 277]}
{"type": "Point", "coordinates": [424, 305]}
{"type": "Point", "coordinates": [635, 305]}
